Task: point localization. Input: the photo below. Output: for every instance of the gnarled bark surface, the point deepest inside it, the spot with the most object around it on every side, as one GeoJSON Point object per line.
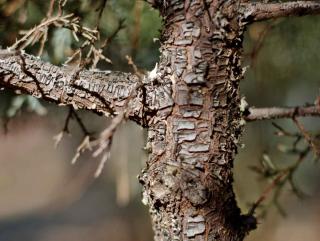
{"type": "Point", "coordinates": [99, 91]}
{"type": "Point", "coordinates": [190, 103]}
{"type": "Point", "coordinates": [188, 180]}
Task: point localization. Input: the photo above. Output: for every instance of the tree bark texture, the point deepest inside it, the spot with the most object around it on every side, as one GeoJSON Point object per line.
{"type": "Point", "coordinates": [190, 104]}
{"type": "Point", "coordinates": [188, 179]}
{"type": "Point", "coordinates": [100, 91]}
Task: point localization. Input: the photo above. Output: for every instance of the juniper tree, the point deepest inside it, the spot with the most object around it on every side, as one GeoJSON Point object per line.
{"type": "Point", "coordinates": [190, 104]}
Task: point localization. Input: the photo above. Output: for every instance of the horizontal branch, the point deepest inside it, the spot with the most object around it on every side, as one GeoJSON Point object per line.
{"type": "Point", "coordinates": [104, 92]}
{"type": "Point", "coordinates": [281, 112]}
{"type": "Point", "coordinates": [264, 11]}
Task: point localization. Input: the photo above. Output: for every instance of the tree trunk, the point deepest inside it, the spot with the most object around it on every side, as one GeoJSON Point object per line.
{"type": "Point", "coordinates": [193, 138]}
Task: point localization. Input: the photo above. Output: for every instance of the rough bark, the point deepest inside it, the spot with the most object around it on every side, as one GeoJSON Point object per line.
{"type": "Point", "coordinates": [106, 92]}
{"type": "Point", "coordinates": [254, 114]}
{"type": "Point", "coordinates": [100, 91]}
{"type": "Point", "coordinates": [188, 179]}
{"type": "Point", "coordinates": [191, 104]}
{"type": "Point", "coordinates": [263, 11]}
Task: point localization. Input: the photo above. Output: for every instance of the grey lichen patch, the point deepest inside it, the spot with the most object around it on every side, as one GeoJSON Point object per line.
{"type": "Point", "coordinates": [160, 191]}
{"type": "Point", "coordinates": [195, 226]}
{"type": "Point", "coordinates": [190, 113]}
{"type": "Point", "coordinates": [195, 192]}
{"type": "Point", "coordinates": [184, 125]}
{"type": "Point", "coordinates": [186, 136]}
{"type": "Point", "coordinates": [199, 148]}
{"type": "Point", "coordinates": [194, 78]}
{"type": "Point", "coordinates": [183, 42]}
{"type": "Point", "coordinates": [196, 98]}
{"type": "Point", "coordinates": [162, 97]}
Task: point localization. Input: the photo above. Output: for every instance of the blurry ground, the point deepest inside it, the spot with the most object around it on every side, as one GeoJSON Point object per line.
{"type": "Point", "coordinates": [45, 198]}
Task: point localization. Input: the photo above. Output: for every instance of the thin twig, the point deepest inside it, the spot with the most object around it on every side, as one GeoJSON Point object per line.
{"type": "Point", "coordinates": [279, 181]}
{"type": "Point", "coordinates": [80, 123]}
{"type": "Point", "coordinates": [307, 137]}
{"type": "Point", "coordinates": [28, 73]}
{"type": "Point", "coordinates": [101, 10]}
{"type": "Point", "coordinates": [267, 191]}
{"type": "Point", "coordinates": [254, 114]}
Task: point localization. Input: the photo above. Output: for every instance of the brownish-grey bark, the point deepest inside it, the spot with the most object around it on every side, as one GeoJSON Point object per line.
{"type": "Point", "coordinates": [262, 11]}
{"type": "Point", "coordinates": [190, 104]}
{"type": "Point", "coordinates": [100, 91]}
{"type": "Point", "coordinates": [188, 180]}
{"type": "Point", "coordinates": [254, 114]}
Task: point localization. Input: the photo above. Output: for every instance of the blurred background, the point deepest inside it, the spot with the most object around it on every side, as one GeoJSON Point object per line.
{"type": "Point", "coordinates": [43, 197]}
